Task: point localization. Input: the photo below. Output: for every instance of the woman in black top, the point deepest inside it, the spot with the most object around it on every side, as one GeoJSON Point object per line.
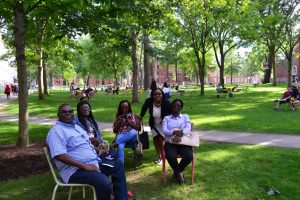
{"type": "Point", "coordinates": [158, 109]}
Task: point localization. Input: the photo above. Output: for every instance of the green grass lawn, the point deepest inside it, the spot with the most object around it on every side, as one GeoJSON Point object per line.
{"type": "Point", "coordinates": [249, 111]}
{"type": "Point", "coordinates": [222, 171]}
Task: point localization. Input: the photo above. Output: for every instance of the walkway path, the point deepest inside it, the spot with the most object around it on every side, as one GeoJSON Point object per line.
{"type": "Point", "coordinates": [277, 140]}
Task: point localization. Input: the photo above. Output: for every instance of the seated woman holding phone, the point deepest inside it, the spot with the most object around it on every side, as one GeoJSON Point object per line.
{"type": "Point", "coordinates": [126, 126]}
{"type": "Point", "coordinates": [174, 127]}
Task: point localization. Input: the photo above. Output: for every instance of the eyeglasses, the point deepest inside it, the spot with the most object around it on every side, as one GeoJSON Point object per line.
{"type": "Point", "coordinates": [84, 108]}
{"type": "Point", "coordinates": [66, 111]}
{"type": "Point", "coordinates": [177, 106]}
{"type": "Point", "coordinates": [157, 94]}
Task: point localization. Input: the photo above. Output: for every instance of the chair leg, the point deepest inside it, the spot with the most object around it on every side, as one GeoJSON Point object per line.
{"type": "Point", "coordinates": [134, 159]}
{"type": "Point", "coordinates": [193, 173]}
{"type": "Point", "coordinates": [83, 192]}
{"type": "Point", "coordinates": [70, 193]}
{"type": "Point", "coordinates": [164, 170]}
{"type": "Point", "coordinates": [54, 192]}
{"type": "Point", "coordinates": [94, 193]}
{"type": "Point", "coordinates": [163, 159]}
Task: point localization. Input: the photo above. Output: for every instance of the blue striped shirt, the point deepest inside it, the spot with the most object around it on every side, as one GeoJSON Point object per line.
{"type": "Point", "coordinates": [72, 140]}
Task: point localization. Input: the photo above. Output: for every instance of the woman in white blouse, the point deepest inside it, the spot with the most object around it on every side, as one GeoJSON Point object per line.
{"type": "Point", "coordinates": [174, 127]}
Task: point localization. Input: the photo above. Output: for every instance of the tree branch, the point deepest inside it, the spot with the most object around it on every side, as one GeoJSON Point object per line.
{"type": "Point", "coordinates": [9, 3]}
{"type": "Point", "coordinates": [34, 6]}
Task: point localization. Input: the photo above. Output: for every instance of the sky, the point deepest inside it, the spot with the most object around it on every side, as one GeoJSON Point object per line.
{"type": "Point", "coordinates": [7, 73]}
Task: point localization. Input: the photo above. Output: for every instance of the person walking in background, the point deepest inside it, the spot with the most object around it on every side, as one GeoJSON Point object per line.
{"type": "Point", "coordinates": [167, 91]}
{"type": "Point", "coordinates": [126, 126]}
{"type": "Point", "coordinates": [174, 127]}
{"type": "Point", "coordinates": [72, 90]}
{"type": "Point", "coordinates": [7, 91]}
{"type": "Point", "coordinates": [158, 107]}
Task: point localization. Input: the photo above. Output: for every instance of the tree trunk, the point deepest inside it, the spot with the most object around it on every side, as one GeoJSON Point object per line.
{"type": "Point", "coordinates": [140, 70]}
{"type": "Point", "coordinates": [51, 80]}
{"type": "Point", "coordinates": [88, 81]}
{"type": "Point", "coordinates": [147, 78]}
{"type": "Point", "coordinates": [176, 70]}
{"type": "Point", "coordinates": [45, 78]}
{"type": "Point", "coordinates": [273, 67]}
{"type": "Point", "coordinates": [202, 73]}
{"type": "Point", "coordinates": [151, 68]}
{"type": "Point", "coordinates": [41, 76]}
{"type": "Point", "coordinates": [231, 72]}
{"type": "Point", "coordinates": [135, 68]}
{"type": "Point", "coordinates": [19, 33]}
{"type": "Point", "coordinates": [221, 67]}
{"type": "Point", "coordinates": [289, 57]}
{"type": "Point", "coordinates": [268, 70]}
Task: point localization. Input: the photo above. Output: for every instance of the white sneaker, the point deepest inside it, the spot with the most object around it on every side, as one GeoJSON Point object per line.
{"type": "Point", "coordinates": [158, 162]}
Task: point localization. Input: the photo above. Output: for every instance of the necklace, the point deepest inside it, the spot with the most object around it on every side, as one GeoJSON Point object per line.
{"type": "Point", "coordinates": [157, 105]}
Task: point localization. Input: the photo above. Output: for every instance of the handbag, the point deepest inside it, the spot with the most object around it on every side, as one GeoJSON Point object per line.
{"type": "Point", "coordinates": [139, 148]}
{"type": "Point", "coordinates": [144, 139]}
{"type": "Point", "coordinates": [190, 140]}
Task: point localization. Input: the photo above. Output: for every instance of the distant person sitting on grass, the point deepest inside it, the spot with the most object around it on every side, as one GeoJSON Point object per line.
{"type": "Point", "coordinates": [286, 97]}
{"type": "Point", "coordinates": [77, 92]}
{"type": "Point", "coordinates": [295, 102]}
{"type": "Point", "coordinates": [77, 160]}
{"type": "Point", "coordinates": [235, 88]}
{"type": "Point", "coordinates": [181, 92]}
{"type": "Point", "coordinates": [224, 90]}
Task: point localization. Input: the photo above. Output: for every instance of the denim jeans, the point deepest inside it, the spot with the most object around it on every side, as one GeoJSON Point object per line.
{"type": "Point", "coordinates": [128, 138]}
{"type": "Point", "coordinates": [101, 182]}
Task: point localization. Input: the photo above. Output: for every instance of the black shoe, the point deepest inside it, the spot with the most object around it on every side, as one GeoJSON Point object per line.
{"type": "Point", "coordinates": [139, 157]}
{"type": "Point", "coordinates": [181, 178]}
{"type": "Point", "coordinates": [175, 178]}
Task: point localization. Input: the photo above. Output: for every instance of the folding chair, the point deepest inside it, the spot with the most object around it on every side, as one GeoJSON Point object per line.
{"type": "Point", "coordinates": [163, 158]}
{"type": "Point", "coordinates": [59, 182]}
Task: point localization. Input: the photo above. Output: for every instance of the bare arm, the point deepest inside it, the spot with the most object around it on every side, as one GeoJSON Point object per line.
{"type": "Point", "coordinates": [70, 161]}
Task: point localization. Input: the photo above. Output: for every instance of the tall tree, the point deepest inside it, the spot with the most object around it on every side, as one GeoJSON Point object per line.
{"type": "Point", "coordinates": [226, 23]}
{"type": "Point", "coordinates": [19, 10]}
{"type": "Point", "coordinates": [267, 27]}
{"type": "Point", "coordinates": [195, 18]}
{"type": "Point", "coordinates": [291, 33]}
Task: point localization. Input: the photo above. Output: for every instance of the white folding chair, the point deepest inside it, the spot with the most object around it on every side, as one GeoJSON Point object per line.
{"type": "Point", "coordinates": [59, 182]}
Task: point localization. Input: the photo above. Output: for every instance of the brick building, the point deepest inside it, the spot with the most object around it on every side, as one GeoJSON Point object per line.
{"type": "Point", "coordinates": [282, 67]}
{"type": "Point", "coordinates": [167, 74]}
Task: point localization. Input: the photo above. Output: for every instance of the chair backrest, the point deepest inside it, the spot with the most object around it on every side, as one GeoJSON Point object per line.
{"type": "Point", "coordinates": [52, 166]}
